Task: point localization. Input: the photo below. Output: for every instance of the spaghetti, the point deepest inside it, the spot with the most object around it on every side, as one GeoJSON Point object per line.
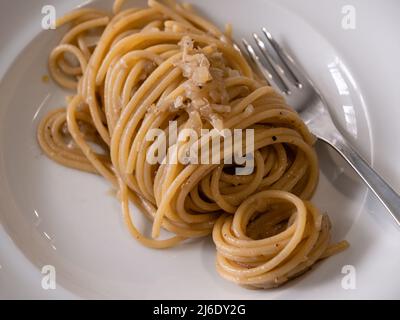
{"type": "Point", "coordinates": [139, 69]}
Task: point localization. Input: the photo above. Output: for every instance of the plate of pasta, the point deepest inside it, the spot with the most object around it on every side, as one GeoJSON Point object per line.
{"type": "Point", "coordinates": [144, 157]}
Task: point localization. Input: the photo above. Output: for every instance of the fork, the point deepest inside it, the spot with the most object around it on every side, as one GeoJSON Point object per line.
{"type": "Point", "coordinates": [283, 73]}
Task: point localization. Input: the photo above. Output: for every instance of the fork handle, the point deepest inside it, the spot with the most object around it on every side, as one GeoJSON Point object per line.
{"type": "Point", "coordinates": [389, 198]}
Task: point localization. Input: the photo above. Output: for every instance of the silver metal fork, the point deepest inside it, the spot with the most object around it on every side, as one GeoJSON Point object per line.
{"type": "Point", "coordinates": [282, 73]}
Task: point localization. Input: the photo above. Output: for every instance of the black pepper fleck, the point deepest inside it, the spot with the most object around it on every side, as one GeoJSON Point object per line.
{"type": "Point", "coordinates": [274, 138]}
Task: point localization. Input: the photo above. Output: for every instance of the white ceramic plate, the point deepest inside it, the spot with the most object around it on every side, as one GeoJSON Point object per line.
{"type": "Point", "coordinates": [55, 216]}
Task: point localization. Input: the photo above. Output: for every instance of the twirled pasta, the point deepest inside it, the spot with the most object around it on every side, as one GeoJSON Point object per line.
{"type": "Point", "coordinates": [138, 69]}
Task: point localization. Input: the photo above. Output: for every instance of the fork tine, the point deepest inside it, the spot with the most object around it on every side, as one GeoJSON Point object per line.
{"type": "Point", "coordinates": [237, 48]}
{"type": "Point", "coordinates": [284, 57]}
{"type": "Point", "coordinates": [256, 60]}
{"type": "Point", "coordinates": [274, 67]}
